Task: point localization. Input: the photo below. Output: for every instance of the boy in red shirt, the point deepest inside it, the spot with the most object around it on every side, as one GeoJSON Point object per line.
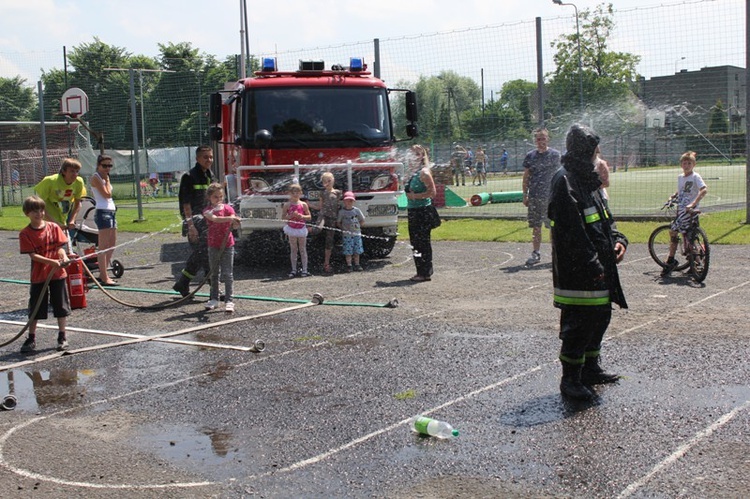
{"type": "Point", "coordinates": [45, 243]}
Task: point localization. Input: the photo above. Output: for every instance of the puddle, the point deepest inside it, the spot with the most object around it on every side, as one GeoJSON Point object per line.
{"type": "Point", "coordinates": [213, 452]}
{"type": "Point", "coordinates": [36, 389]}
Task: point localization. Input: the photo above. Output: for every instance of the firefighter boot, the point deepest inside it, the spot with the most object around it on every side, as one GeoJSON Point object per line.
{"type": "Point", "coordinates": [593, 374]}
{"type": "Point", "coordinates": [571, 385]}
{"type": "Point", "coordinates": [182, 285]}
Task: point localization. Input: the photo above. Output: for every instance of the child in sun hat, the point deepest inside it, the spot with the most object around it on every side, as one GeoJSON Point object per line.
{"type": "Point", "coordinates": [350, 221]}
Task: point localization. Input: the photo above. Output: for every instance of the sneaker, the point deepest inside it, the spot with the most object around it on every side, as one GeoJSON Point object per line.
{"type": "Point", "coordinates": [358, 268]}
{"type": "Point", "coordinates": [533, 259]}
{"type": "Point", "coordinates": [229, 307]}
{"type": "Point", "coordinates": [212, 304]}
{"type": "Point", "coordinates": [62, 344]}
{"type": "Point", "coordinates": [292, 275]}
{"type": "Point", "coordinates": [28, 346]}
{"type": "Point", "coordinates": [671, 265]}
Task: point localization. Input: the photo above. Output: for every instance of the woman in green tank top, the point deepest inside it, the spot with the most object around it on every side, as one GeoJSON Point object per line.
{"type": "Point", "coordinates": [420, 189]}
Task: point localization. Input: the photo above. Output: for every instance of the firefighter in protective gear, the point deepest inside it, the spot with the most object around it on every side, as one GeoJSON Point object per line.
{"type": "Point", "coordinates": [192, 199]}
{"type": "Point", "coordinates": [586, 248]}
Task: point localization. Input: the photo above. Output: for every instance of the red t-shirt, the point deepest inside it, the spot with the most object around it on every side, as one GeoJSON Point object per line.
{"type": "Point", "coordinates": [45, 241]}
{"type": "Point", "coordinates": [217, 231]}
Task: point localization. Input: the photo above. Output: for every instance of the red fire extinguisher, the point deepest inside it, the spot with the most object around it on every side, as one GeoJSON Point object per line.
{"type": "Point", "coordinates": [76, 283]}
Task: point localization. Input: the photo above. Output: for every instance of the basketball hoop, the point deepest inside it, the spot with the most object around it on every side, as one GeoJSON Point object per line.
{"type": "Point", "coordinates": [74, 103]}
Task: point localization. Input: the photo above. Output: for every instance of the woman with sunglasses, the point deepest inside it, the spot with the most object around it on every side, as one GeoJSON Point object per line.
{"type": "Point", "coordinates": [104, 217]}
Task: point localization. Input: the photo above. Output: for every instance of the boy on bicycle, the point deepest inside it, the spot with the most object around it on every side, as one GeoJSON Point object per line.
{"type": "Point", "coordinates": [690, 190]}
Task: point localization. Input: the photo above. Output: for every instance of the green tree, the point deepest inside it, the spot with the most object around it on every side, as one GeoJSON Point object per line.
{"type": "Point", "coordinates": [17, 100]}
{"type": "Point", "coordinates": [717, 120]}
{"type": "Point", "coordinates": [442, 101]}
{"type": "Point", "coordinates": [607, 76]}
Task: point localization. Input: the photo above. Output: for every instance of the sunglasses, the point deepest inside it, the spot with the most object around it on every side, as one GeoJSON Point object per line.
{"type": "Point", "coordinates": [107, 165]}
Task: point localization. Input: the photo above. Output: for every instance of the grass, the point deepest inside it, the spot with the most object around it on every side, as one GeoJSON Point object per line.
{"type": "Point", "coordinates": [726, 227]}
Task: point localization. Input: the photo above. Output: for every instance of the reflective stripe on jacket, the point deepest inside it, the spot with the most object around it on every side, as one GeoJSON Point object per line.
{"type": "Point", "coordinates": [584, 268]}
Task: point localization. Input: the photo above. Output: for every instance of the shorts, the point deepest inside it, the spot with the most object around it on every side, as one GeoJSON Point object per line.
{"type": "Point", "coordinates": [352, 245]}
{"type": "Point", "coordinates": [537, 214]}
{"type": "Point", "coordinates": [292, 232]}
{"type": "Point", "coordinates": [481, 168]}
{"type": "Point", "coordinates": [56, 295]}
{"type": "Point", "coordinates": [683, 221]}
{"type": "Point", "coordinates": [105, 219]}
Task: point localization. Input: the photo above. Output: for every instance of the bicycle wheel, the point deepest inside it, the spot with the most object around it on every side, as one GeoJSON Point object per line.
{"type": "Point", "coordinates": [658, 247]}
{"type": "Point", "coordinates": [700, 255]}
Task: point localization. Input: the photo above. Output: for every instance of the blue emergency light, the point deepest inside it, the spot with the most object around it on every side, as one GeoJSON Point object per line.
{"type": "Point", "coordinates": [269, 64]}
{"type": "Point", "coordinates": [356, 64]}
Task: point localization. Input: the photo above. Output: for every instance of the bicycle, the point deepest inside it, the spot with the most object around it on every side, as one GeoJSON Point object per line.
{"type": "Point", "coordinates": [693, 242]}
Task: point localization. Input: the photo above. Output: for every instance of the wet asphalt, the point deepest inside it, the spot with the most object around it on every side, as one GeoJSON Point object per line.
{"type": "Point", "coordinates": [323, 410]}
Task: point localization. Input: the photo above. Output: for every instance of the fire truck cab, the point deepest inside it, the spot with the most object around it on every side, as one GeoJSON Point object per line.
{"type": "Point", "coordinates": [284, 127]}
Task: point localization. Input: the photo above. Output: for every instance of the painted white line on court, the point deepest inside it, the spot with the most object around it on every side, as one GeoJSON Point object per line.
{"type": "Point", "coordinates": [683, 449]}
{"type": "Point", "coordinates": [322, 456]}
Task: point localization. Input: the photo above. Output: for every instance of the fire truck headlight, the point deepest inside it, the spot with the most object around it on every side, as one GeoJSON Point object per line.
{"type": "Point", "coordinates": [380, 182]}
{"type": "Point", "coordinates": [259, 185]}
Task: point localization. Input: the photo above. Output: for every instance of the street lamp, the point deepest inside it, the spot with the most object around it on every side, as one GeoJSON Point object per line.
{"type": "Point", "coordinates": [578, 39]}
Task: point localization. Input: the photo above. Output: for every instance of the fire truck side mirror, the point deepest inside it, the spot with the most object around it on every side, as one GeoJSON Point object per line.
{"type": "Point", "coordinates": [216, 133]}
{"type": "Point", "coordinates": [411, 106]}
{"type": "Point", "coordinates": [214, 109]}
{"type": "Point", "coordinates": [263, 139]}
{"type": "Point", "coordinates": [411, 130]}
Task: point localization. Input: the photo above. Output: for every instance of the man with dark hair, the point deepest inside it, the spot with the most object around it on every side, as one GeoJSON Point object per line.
{"type": "Point", "coordinates": [192, 199]}
{"type": "Point", "coordinates": [586, 248]}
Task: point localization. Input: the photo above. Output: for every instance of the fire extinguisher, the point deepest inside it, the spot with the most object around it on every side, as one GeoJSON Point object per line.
{"type": "Point", "coordinates": [76, 283]}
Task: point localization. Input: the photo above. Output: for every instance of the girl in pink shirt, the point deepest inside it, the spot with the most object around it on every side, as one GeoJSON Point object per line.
{"type": "Point", "coordinates": [297, 214]}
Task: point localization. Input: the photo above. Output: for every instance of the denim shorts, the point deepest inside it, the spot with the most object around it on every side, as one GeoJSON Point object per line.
{"type": "Point", "coordinates": [105, 219]}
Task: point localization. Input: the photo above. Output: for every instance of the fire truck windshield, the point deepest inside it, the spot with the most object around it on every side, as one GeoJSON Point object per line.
{"type": "Point", "coordinates": [302, 117]}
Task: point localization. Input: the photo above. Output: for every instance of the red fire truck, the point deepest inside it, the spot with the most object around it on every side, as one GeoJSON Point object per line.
{"type": "Point", "coordinates": [284, 127]}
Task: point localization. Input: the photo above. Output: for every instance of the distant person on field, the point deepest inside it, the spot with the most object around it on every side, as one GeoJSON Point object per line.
{"type": "Point", "coordinates": [192, 199]}
{"type": "Point", "coordinates": [45, 243]}
{"type": "Point", "coordinates": [62, 193]}
{"type": "Point", "coordinates": [221, 219]}
{"type": "Point", "coordinates": [538, 168]}
{"type": "Point", "coordinates": [690, 190]}
{"type": "Point", "coordinates": [586, 248]}
{"type": "Point", "coordinates": [458, 157]}
{"type": "Point", "coordinates": [504, 162]}
{"type": "Point", "coordinates": [104, 216]}
{"type": "Point", "coordinates": [480, 167]}
{"type": "Point", "coordinates": [350, 221]}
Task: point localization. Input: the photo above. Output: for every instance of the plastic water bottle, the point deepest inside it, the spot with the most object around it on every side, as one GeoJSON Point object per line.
{"type": "Point", "coordinates": [432, 427]}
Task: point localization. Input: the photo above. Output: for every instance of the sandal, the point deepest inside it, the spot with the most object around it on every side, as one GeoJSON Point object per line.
{"type": "Point", "coordinates": [420, 278]}
{"type": "Point", "coordinates": [328, 269]}
{"type": "Point", "coordinates": [292, 274]}
{"type": "Point", "coordinates": [304, 274]}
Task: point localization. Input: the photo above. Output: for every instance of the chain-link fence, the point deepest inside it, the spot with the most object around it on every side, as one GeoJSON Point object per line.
{"type": "Point", "coordinates": [671, 109]}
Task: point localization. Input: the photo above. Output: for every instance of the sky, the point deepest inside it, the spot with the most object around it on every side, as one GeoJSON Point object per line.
{"type": "Point", "coordinates": [36, 27]}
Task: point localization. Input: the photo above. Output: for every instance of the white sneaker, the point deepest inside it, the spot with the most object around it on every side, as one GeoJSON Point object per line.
{"type": "Point", "coordinates": [212, 304]}
{"type": "Point", "coordinates": [229, 307]}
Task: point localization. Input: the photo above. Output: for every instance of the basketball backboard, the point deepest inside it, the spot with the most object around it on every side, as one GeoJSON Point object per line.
{"type": "Point", "coordinates": [74, 102]}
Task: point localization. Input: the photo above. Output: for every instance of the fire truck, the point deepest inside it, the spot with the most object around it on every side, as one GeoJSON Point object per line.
{"type": "Point", "coordinates": [284, 127]}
